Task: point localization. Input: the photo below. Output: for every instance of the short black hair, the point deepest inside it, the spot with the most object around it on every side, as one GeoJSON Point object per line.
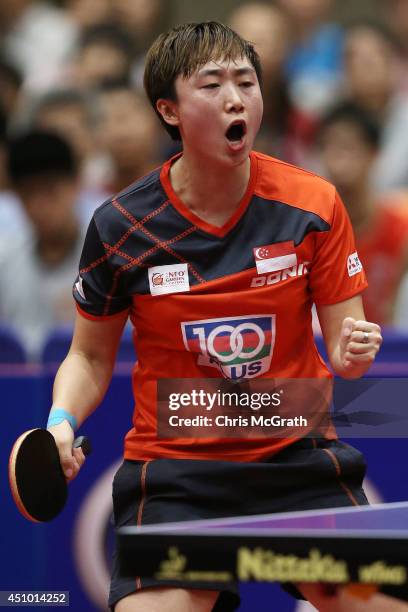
{"type": "Point", "coordinates": [108, 34]}
{"type": "Point", "coordinates": [3, 125]}
{"type": "Point", "coordinates": [39, 153]}
{"type": "Point", "coordinates": [364, 121]}
{"type": "Point", "coordinates": [115, 84]}
{"type": "Point", "coordinates": [60, 97]}
{"type": "Point", "coordinates": [57, 98]}
{"type": "Point", "coordinates": [182, 50]}
{"type": "Point", "coordinates": [10, 73]}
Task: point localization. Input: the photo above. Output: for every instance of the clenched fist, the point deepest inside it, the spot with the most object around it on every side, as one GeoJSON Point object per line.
{"type": "Point", "coordinates": [359, 344]}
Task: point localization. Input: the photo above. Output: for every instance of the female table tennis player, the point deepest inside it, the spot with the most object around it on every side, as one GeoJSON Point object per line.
{"type": "Point", "coordinates": [217, 258]}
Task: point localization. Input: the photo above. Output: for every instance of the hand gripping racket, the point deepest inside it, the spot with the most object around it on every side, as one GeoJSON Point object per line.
{"type": "Point", "coordinates": [37, 482]}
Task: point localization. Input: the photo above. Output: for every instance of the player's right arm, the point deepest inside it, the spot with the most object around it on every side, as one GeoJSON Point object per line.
{"type": "Point", "coordinates": [83, 378]}
{"type": "Point", "coordinates": [103, 302]}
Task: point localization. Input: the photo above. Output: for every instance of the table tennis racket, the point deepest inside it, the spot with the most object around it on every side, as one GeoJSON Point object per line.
{"type": "Point", "coordinates": [37, 482]}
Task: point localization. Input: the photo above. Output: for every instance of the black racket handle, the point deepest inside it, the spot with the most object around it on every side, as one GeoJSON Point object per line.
{"type": "Point", "coordinates": [84, 443]}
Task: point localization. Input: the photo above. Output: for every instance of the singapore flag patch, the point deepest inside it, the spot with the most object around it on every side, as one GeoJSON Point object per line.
{"type": "Point", "coordinates": [274, 257]}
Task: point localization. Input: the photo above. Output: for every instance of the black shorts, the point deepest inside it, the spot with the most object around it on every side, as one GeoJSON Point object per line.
{"type": "Point", "coordinates": [307, 475]}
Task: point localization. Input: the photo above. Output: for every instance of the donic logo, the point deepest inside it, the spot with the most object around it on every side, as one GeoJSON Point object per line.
{"type": "Point", "coordinates": [240, 347]}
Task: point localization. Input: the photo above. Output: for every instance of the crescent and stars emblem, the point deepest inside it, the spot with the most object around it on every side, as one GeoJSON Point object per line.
{"type": "Point", "coordinates": [262, 253]}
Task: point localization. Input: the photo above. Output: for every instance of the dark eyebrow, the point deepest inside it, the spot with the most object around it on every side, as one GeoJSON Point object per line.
{"type": "Point", "coordinates": [220, 71]}
{"type": "Point", "coordinates": [245, 70]}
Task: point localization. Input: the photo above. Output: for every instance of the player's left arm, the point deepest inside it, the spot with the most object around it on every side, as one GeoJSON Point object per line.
{"type": "Point", "coordinates": [352, 342]}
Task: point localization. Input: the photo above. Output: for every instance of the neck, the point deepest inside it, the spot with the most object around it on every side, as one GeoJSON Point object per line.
{"type": "Point", "coordinates": [208, 189]}
{"type": "Point", "coordinates": [54, 248]}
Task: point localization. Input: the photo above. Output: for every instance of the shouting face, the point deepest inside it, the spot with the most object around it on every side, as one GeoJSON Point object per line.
{"type": "Point", "coordinates": [218, 110]}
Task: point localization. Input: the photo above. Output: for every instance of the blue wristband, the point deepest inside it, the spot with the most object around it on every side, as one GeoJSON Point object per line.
{"type": "Point", "coordinates": [58, 415]}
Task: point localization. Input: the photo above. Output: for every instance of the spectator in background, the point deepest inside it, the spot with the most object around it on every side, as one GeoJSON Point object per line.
{"type": "Point", "coordinates": [129, 133]}
{"type": "Point", "coordinates": [396, 15]}
{"type": "Point", "coordinates": [3, 132]}
{"type": "Point", "coordinates": [349, 139]}
{"type": "Point", "coordinates": [87, 13]}
{"type": "Point", "coordinates": [73, 115]}
{"type": "Point", "coordinates": [13, 222]}
{"type": "Point", "coordinates": [68, 112]}
{"type": "Point", "coordinates": [314, 65]}
{"type": "Point", "coordinates": [105, 52]}
{"type": "Point", "coordinates": [268, 28]}
{"type": "Point", "coordinates": [10, 88]}
{"type": "Point", "coordinates": [36, 269]}
{"type": "Point", "coordinates": [142, 20]}
{"type": "Point", "coordinates": [373, 72]}
{"type": "Point", "coordinates": [37, 38]}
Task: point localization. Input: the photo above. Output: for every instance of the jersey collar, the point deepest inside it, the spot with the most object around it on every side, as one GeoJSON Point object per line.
{"type": "Point", "coordinates": [185, 211]}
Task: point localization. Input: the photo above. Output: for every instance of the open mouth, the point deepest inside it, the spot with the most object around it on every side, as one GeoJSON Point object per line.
{"type": "Point", "coordinates": [236, 131]}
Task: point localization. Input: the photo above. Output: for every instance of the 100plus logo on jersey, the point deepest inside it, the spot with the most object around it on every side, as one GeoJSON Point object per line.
{"type": "Point", "coordinates": [240, 347]}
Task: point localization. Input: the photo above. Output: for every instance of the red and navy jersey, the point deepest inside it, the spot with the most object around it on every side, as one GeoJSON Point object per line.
{"type": "Point", "coordinates": [206, 301]}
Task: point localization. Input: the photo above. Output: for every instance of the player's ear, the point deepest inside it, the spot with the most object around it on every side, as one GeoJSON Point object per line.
{"type": "Point", "coordinates": [168, 110]}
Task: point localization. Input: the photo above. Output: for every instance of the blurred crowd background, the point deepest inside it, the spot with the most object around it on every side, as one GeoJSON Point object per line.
{"type": "Point", "coordinates": [75, 127]}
